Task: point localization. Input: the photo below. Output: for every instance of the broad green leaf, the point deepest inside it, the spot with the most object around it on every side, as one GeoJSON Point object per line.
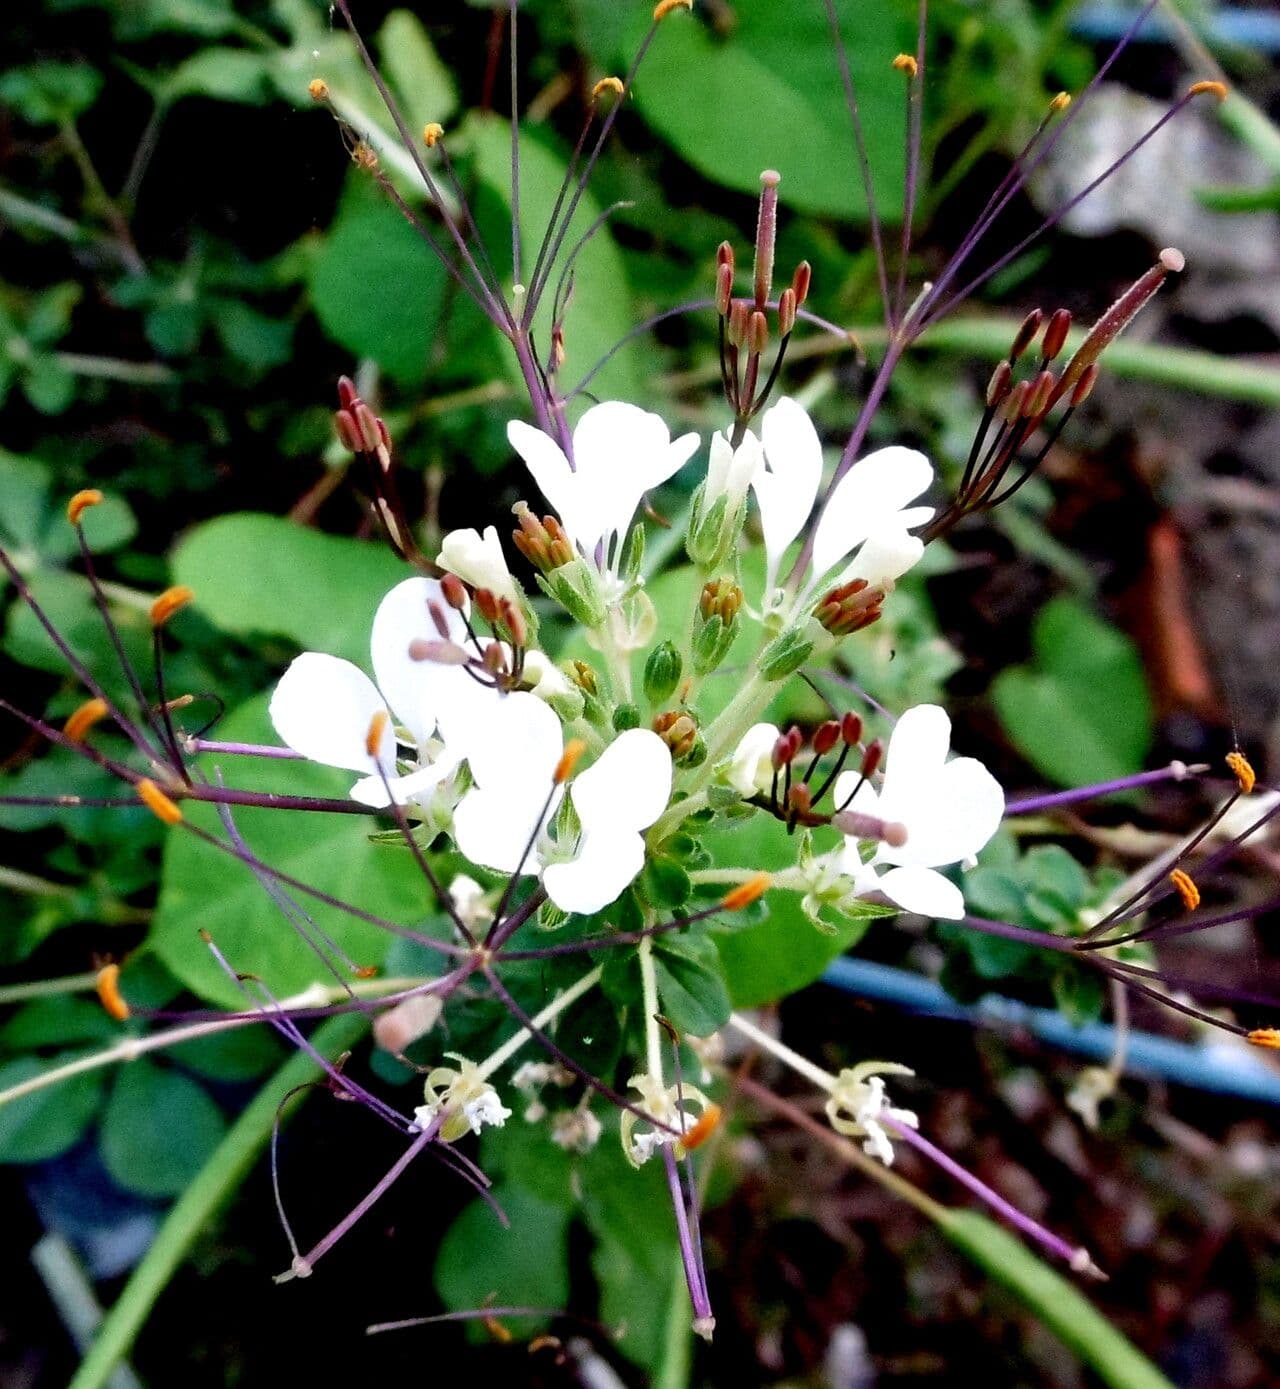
{"type": "Point", "coordinates": [46, 93]}
{"type": "Point", "coordinates": [691, 985]}
{"type": "Point", "coordinates": [159, 1129]}
{"type": "Point", "coordinates": [224, 74]}
{"type": "Point", "coordinates": [239, 1054]}
{"type": "Point", "coordinates": [57, 1021]}
{"type": "Point", "coordinates": [524, 1264]}
{"type": "Point", "coordinates": [1058, 1304]}
{"type": "Point", "coordinates": [1080, 711]}
{"type": "Point", "coordinates": [767, 94]}
{"type": "Point", "coordinates": [260, 575]}
{"type": "Point", "coordinates": [204, 890]}
{"type": "Point", "coordinates": [47, 1122]}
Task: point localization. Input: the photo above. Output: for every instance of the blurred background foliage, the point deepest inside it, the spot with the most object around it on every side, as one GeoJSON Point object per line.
{"type": "Point", "coordinates": [188, 261]}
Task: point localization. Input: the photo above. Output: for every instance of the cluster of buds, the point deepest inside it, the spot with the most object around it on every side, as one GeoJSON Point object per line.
{"type": "Point", "coordinates": [744, 323]}
{"type": "Point", "coordinates": [715, 624]}
{"type": "Point", "coordinates": [850, 607]}
{"type": "Point", "coordinates": [1017, 408]}
{"type": "Point", "coordinates": [561, 573]}
{"type": "Point", "coordinates": [679, 730]}
{"type": "Point", "coordinates": [364, 434]}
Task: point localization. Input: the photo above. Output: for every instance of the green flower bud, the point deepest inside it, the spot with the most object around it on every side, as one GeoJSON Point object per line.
{"type": "Point", "coordinates": [662, 672]}
{"type": "Point", "coordinates": [576, 587]}
{"type": "Point", "coordinates": [626, 716]}
{"type": "Point", "coordinates": [785, 654]}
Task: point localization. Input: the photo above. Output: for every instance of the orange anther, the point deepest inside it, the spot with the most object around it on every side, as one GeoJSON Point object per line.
{"type": "Point", "coordinates": [573, 750]}
{"type": "Point", "coordinates": [1216, 89]}
{"type": "Point", "coordinates": [432, 134]}
{"type": "Point", "coordinates": [496, 1329]}
{"type": "Point", "coordinates": [108, 986]}
{"type": "Point", "coordinates": [1060, 103]}
{"type": "Point", "coordinates": [1244, 773]}
{"type": "Point", "coordinates": [904, 62]}
{"type": "Point", "coordinates": [367, 972]}
{"type": "Point", "coordinates": [745, 893]}
{"type": "Point", "coordinates": [664, 7]}
{"type": "Point", "coordinates": [377, 727]}
{"type": "Point", "coordinates": [171, 601]}
{"type": "Point", "coordinates": [708, 1122]}
{"type": "Point", "coordinates": [91, 712]}
{"type": "Point", "coordinates": [81, 503]}
{"type": "Point", "coordinates": [607, 84]}
{"type": "Point", "coordinates": [1186, 889]}
{"type": "Point", "coordinates": [157, 802]}
{"type": "Point", "coordinates": [1268, 1037]}
{"type": "Point", "coordinates": [318, 89]}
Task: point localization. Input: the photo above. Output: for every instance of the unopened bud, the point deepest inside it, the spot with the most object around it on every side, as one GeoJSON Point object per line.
{"type": "Point", "coordinates": [850, 730]}
{"type": "Point", "coordinates": [662, 672]}
{"type": "Point", "coordinates": [626, 717]}
{"type": "Point", "coordinates": [872, 757]}
{"type": "Point", "coordinates": [826, 736]}
{"type": "Point", "coordinates": [678, 731]}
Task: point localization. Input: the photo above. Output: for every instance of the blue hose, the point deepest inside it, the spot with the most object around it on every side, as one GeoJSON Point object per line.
{"type": "Point", "coordinates": [1256, 29]}
{"type": "Point", "coordinates": [1221, 1066]}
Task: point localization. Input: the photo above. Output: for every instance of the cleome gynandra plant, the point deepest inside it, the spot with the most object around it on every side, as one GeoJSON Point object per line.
{"type": "Point", "coordinates": [590, 782]}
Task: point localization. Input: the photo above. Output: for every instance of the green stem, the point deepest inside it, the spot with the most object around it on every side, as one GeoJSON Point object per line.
{"type": "Point", "coordinates": [112, 369]}
{"type": "Point", "coordinates": [224, 1171]}
{"type": "Point", "coordinates": [18, 881]}
{"type": "Point", "coordinates": [48, 988]}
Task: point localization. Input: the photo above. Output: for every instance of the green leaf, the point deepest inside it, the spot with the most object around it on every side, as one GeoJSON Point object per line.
{"type": "Point", "coordinates": [239, 1054]}
{"type": "Point", "coordinates": [224, 74]}
{"type": "Point", "coordinates": [1080, 711]}
{"type": "Point", "coordinates": [257, 340]}
{"type": "Point", "coordinates": [158, 1130]}
{"type": "Point", "coordinates": [767, 95]}
{"type": "Point", "coordinates": [378, 289]}
{"type": "Point", "coordinates": [1057, 1303]}
{"type": "Point", "coordinates": [524, 1264]}
{"type": "Point", "coordinates": [423, 84]}
{"type": "Point", "coordinates": [47, 1122]}
{"type": "Point", "coordinates": [57, 1021]}
{"type": "Point", "coordinates": [257, 575]}
{"type": "Point", "coordinates": [691, 984]}
{"type": "Point", "coordinates": [45, 93]}
{"type": "Point", "coordinates": [205, 890]}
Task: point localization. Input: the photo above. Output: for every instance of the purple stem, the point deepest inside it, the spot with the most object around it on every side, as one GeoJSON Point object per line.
{"type": "Point", "coordinates": [1033, 805]}
{"type": "Point", "coordinates": [689, 1255]}
{"type": "Point", "coordinates": [1072, 1255]}
{"type": "Point", "coordinates": [1041, 940]}
{"type": "Point", "coordinates": [241, 749]}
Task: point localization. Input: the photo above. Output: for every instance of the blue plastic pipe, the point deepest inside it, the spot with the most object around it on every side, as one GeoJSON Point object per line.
{"type": "Point", "coordinates": [1256, 29]}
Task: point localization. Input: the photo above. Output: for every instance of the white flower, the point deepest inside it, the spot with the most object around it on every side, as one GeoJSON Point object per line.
{"type": "Point", "coordinates": [950, 809]}
{"type": "Point", "coordinates": [866, 512]}
{"type": "Point", "coordinates": [543, 676]}
{"type": "Point", "coordinates": [478, 560]}
{"type": "Point", "coordinates": [730, 471]}
{"type": "Point", "coordinates": [858, 1106]}
{"type": "Point", "coordinates": [575, 1130]}
{"type": "Point", "coordinates": [620, 452]}
{"type": "Point", "coordinates": [623, 793]}
{"type": "Point", "coordinates": [462, 1097]}
{"type": "Point", "coordinates": [324, 707]}
{"type": "Point", "coordinates": [513, 771]}
{"type": "Point", "coordinates": [470, 901]}
{"type": "Point", "coordinates": [677, 1110]}
{"type": "Point", "coordinates": [751, 766]}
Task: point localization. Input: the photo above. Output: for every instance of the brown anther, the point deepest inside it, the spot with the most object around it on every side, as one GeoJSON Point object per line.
{"type": "Point", "coordinates": [850, 730]}
{"type": "Point", "coordinates": [364, 156]}
{"type": "Point", "coordinates": [1084, 387]}
{"type": "Point", "coordinates": [1268, 1037]}
{"type": "Point", "coordinates": [569, 758]}
{"type": "Point", "coordinates": [784, 751]}
{"type": "Point", "coordinates": [1027, 330]}
{"type": "Point", "coordinates": [1015, 402]}
{"type": "Point", "coordinates": [1186, 889]}
{"type": "Point", "coordinates": [432, 134]}
{"type": "Point", "coordinates": [744, 894]}
{"type": "Point", "coordinates": [157, 802]}
{"type": "Point", "coordinates": [487, 605]}
{"type": "Point", "coordinates": [664, 7]}
{"type": "Point", "coordinates": [90, 713]}
{"type": "Point", "coordinates": [543, 543]}
{"type": "Point", "coordinates": [171, 601]}
{"type": "Point", "coordinates": [724, 254]}
{"type": "Point", "coordinates": [494, 659]}
{"type": "Point", "coordinates": [109, 995]}
{"type": "Point", "coordinates": [444, 653]}
{"type": "Point", "coordinates": [369, 425]}
{"type": "Point", "coordinates": [584, 677]}
{"type": "Point", "coordinates": [849, 608]}
{"type": "Point", "coordinates": [736, 324]}
{"type": "Point", "coordinates": [1060, 103]}
{"type": "Point", "coordinates": [348, 432]}
{"type": "Point", "coordinates": [904, 62]}
{"type": "Point", "coordinates": [1242, 769]}
{"type": "Point", "coordinates": [496, 1329]}
{"type": "Point", "coordinates": [698, 1133]}
{"type": "Point", "coordinates": [801, 281]}
{"type": "Point", "coordinates": [799, 800]}
{"type": "Point", "coordinates": [1217, 90]}
{"type": "Point", "coordinates": [607, 84]}
{"type": "Point", "coordinates": [860, 826]}
{"type": "Point", "coordinates": [1055, 334]}
{"type": "Point", "coordinates": [1038, 396]}
{"type": "Point", "coordinates": [545, 1342]}
{"type": "Point", "coordinates": [720, 598]}
{"type": "Point", "coordinates": [724, 289]}
{"type": "Point", "coordinates": [678, 731]}
{"type": "Point", "coordinates": [377, 728]}
{"type": "Point", "coordinates": [871, 758]}
{"type": "Point", "coordinates": [318, 89]}
{"type": "Point", "coordinates": [894, 834]}
{"type": "Point", "coordinates": [454, 592]}
{"type": "Point", "coordinates": [513, 621]}
{"type": "Point", "coordinates": [998, 386]}
{"type": "Point", "coordinates": [81, 502]}
{"type": "Point", "coordinates": [825, 737]}
{"type": "Point", "coordinates": [786, 311]}
{"type": "Point", "coordinates": [757, 332]}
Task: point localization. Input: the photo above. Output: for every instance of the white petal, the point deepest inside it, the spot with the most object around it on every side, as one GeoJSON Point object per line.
{"type": "Point", "coordinates": [786, 488]}
{"type": "Point", "coordinates": [924, 892]}
{"type": "Point", "coordinates": [607, 862]}
{"type": "Point", "coordinates": [957, 817]}
{"type": "Point", "coordinates": [414, 689]}
{"type": "Point", "coordinates": [559, 484]}
{"type": "Point", "coordinates": [413, 786]}
{"type": "Point", "coordinates": [721, 457]}
{"type": "Point", "coordinates": [496, 830]}
{"type": "Point", "coordinates": [751, 766]}
{"type": "Point", "coordinates": [868, 499]}
{"type": "Point", "coordinates": [883, 558]}
{"type": "Point", "coordinates": [917, 749]}
{"type": "Point", "coordinates": [866, 801]}
{"type": "Point", "coordinates": [521, 744]}
{"type": "Point", "coordinates": [323, 707]}
{"type": "Point", "coordinates": [628, 787]}
{"type": "Point", "coordinates": [478, 559]}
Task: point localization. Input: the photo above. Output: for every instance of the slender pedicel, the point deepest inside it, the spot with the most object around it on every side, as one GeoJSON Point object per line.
{"type": "Point", "coordinates": [1036, 805]}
